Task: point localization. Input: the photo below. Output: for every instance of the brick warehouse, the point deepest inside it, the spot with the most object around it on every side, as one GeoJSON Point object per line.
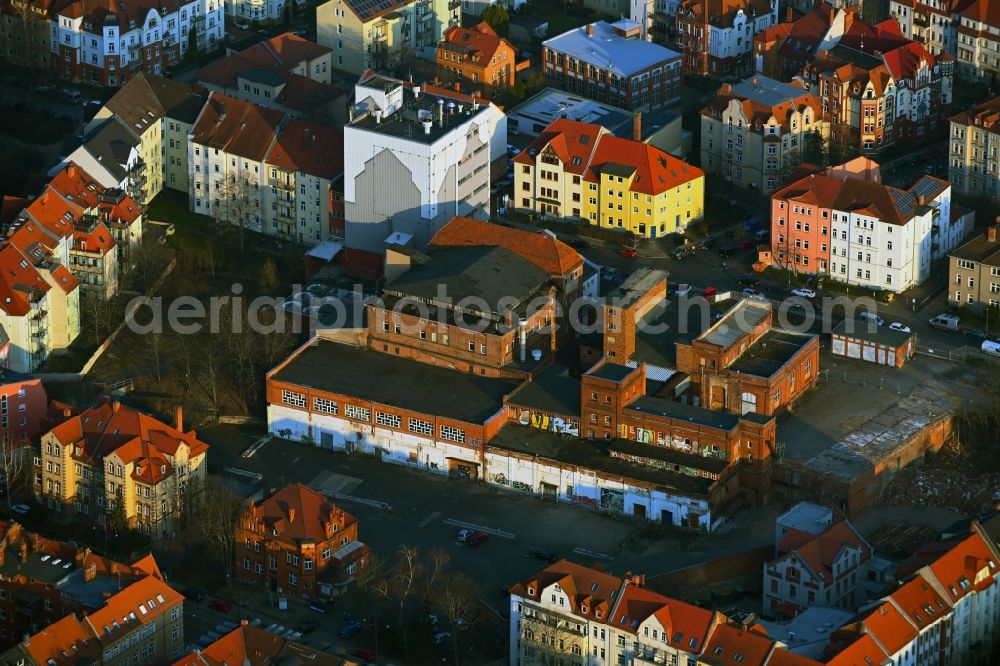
{"type": "Point", "coordinates": [496, 406]}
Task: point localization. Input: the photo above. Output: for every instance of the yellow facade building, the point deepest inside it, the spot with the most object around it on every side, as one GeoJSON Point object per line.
{"type": "Point", "coordinates": [582, 171]}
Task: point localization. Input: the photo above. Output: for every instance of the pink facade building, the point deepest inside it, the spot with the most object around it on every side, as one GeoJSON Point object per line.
{"type": "Point", "coordinates": [23, 407]}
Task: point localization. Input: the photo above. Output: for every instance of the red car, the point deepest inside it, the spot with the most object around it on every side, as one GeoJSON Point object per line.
{"type": "Point", "coordinates": [708, 292]}
{"type": "Point", "coordinates": [220, 605]}
{"type": "Point", "coordinates": [745, 245]}
{"type": "Point", "coordinates": [628, 252]}
{"type": "Point", "coordinates": [477, 538]}
{"type": "Point", "coordinates": [364, 654]}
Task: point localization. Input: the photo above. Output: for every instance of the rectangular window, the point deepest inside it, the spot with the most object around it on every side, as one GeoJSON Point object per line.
{"type": "Point", "coordinates": [357, 413]}
{"type": "Point", "coordinates": [452, 434]}
{"type": "Point", "coordinates": [420, 426]}
{"type": "Point", "coordinates": [324, 406]}
{"type": "Point", "coordinates": [294, 399]}
{"type": "Point", "coordinates": [391, 420]}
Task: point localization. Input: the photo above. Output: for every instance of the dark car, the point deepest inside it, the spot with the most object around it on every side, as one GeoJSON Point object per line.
{"type": "Point", "coordinates": [192, 594]}
{"type": "Point", "coordinates": [544, 555]}
{"type": "Point", "coordinates": [709, 243]}
{"type": "Point", "coordinates": [974, 334]}
{"type": "Point", "coordinates": [477, 538]}
{"type": "Point", "coordinates": [682, 251]}
{"type": "Point", "coordinates": [727, 251]}
{"type": "Point", "coordinates": [364, 654]}
{"type": "Point", "coordinates": [220, 605]}
{"type": "Point", "coordinates": [579, 244]}
{"type": "Point", "coordinates": [748, 281]}
{"type": "Point", "coordinates": [351, 629]}
{"type": "Point", "coordinates": [307, 626]}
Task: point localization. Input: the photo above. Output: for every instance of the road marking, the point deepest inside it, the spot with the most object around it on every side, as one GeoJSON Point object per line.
{"type": "Point", "coordinates": [427, 521]}
{"type": "Point", "coordinates": [257, 446]}
{"type": "Point", "coordinates": [589, 553]}
{"type": "Point", "coordinates": [479, 528]}
{"type": "Point", "coordinates": [360, 500]}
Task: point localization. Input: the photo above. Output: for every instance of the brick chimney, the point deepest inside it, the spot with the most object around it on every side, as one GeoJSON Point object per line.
{"type": "Point", "coordinates": [590, 30]}
{"type": "Point", "coordinates": [115, 406]}
{"type": "Point", "coordinates": [725, 89]}
{"type": "Point", "coordinates": [179, 419]}
{"type": "Point", "coordinates": [991, 233]}
{"type": "Point", "coordinates": [291, 515]}
{"type": "Point", "coordinates": [90, 573]}
{"type": "Point", "coordinates": [789, 14]}
{"type": "Point", "coordinates": [637, 126]}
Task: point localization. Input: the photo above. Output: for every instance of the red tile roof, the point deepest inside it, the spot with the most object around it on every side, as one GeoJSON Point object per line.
{"type": "Point", "coordinates": [19, 279]}
{"type": "Point", "coordinates": [298, 512]}
{"type": "Point", "coordinates": [480, 40]}
{"type": "Point", "coordinates": [889, 627]}
{"type": "Point", "coordinates": [686, 626]}
{"type": "Point", "coordinates": [906, 61]}
{"type": "Point", "coordinates": [591, 592]}
{"type": "Point", "coordinates": [918, 601]}
{"type": "Point", "coordinates": [543, 250]}
{"type": "Point", "coordinates": [819, 552]}
{"type": "Point", "coordinates": [573, 141]}
{"type": "Point", "coordinates": [236, 127]}
{"type": "Point", "coordinates": [865, 651]}
{"type": "Point", "coordinates": [655, 170]}
{"type": "Point", "coordinates": [313, 149]}
{"type": "Point", "coordinates": [98, 239]}
{"type": "Point", "coordinates": [727, 641]}
{"type": "Point", "coordinates": [969, 565]}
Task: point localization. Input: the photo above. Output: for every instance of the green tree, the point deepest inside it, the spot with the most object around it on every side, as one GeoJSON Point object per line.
{"type": "Point", "coordinates": [192, 47]}
{"type": "Point", "coordinates": [814, 149]}
{"type": "Point", "coordinates": [497, 17]}
{"type": "Point", "coordinates": [119, 519]}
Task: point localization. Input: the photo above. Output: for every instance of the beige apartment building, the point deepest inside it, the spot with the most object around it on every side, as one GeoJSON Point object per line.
{"type": "Point", "coordinates": [110, 454]}
{"type": "Point", "coordinates": [755, 129]}
{"type": "Point", "coordinates": [974, 137]}
{"type": "Point", "coordinates": [25, 33]}
{"type": "Point", "coordinates": [974, 271]}
{"type": "Point", "coordinates": [379, 36]}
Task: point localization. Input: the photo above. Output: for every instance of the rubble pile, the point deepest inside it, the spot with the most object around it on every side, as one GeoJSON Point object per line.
{"type": "Point", "coordinates": [949, 480]}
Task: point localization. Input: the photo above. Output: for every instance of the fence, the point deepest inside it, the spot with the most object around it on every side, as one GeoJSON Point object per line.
{"type": "Point", "coordinates": [959, 355]}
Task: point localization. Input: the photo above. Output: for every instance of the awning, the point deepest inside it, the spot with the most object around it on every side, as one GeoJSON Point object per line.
{"type": "Point", "coordinates": [327, 250]}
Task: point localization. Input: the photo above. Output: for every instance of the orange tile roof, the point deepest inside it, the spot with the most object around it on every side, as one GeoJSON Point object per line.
{"type": "Point", "coordinates": [687, 626]}
{"type": "Point", "coordinates": [819, 552]}
{"type": "Point", "coordinates": [890, 627]}
{"type": "Point", "coordinates": [299, 512]}
{"type": "Point", "coordinates": [144, 600]}
{"type": "Point", "coordinates": [548, 253]}
{"type": "Point", "coordinates": [590, 591]}
{"type": "Point", "coordinates": [904, 62]}
{"type": "Point", "coordinates": [969, 565]}
{"type": "Point", "coordinates": [480, 40]}
{"type": "Point", "coordinates": [290, 49]}
{"type": "Point", "coordinates": [313, 149]}
{"type": "Point", "coordinates": [236, 127]}
{"type": "Point", "coordinates": [69, 636]}
{"type": "Point", "coordinates": [573, 141]}
{"type": "Point", "coordinates": [727, 641]}
{"type": "Point", "coordinates": [865, 651]}
{"type": "Point", "coordinates": [18, 280]}
{"type": "Point", "coordinates": [918, 601]}
{"type": "Point", "coordinates": [655, 170]}
{"type": "Point", "coordinates": [98, 239]}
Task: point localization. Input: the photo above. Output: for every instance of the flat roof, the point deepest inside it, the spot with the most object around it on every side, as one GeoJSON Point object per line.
{"type": "Point", "coordinates": [637, 285]}
{"type": "Point", "coordinates": [807, 517]}
{"type": "Point", "coordinates": [408, 121]}
{"type": "Point", "coordinates": [608, 49]}
{"type": "Point", "coordinates": [593, 455]}
{"type": "Point", "coordinates": [869, 332]}
{"type": "Point", "coordinates": [668, 455]}
{"type": "Point", "coordinates": [767, 91]}
{"type": "Point", "coordinates": [38, 566]}
{"type": "Point", "coordinates": [614, 372]}
{"type": "Point", "coordinates": [676, 410]}
{"type": "Point", "coordinates": [808, 634]}
{"type": "Point", "coordinates": [736, 323]}
{"type": "Point", "coordinates": [553, 390]}
{"type": "Point", "coordinates": [770, 352]}
{"type": "Point", "coordinates": [395, 382]}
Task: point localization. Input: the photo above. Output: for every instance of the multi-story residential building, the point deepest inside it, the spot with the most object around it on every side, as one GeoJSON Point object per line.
{"type": "Point", "coordinates": [286, 73]}
{"type": "Point", "coordinates": [824, 569]}
{"type": "Point", "coordinates": [974, 271]}
{"type": "Point", "coordinates": [300, 168]}
{"type": "Point", "coordinates": [23, 409]}
{"type": "Point", "coordinates": [476, 55]}
{"type": "Point", "coordinates": [139, 619]}
{"type": "Point", "coordinates": [931, 22]}
{"type": "Point", "coordinates": [26, 33]}
{"type": "Point", "coordinates": [111, 454]}
{"type": "Point", "coordinates": [260, 10]}
{"type": "Point", "coordinates": [754, 131]}
{"type": "Point", "coordinates": [612, 63]}
{"type": "Point", "coordinates": [299, 543]}
{"type": "Point", "coordinates": [978, 44]}
{"type": "Point", "coordinates": [412, 162]}
{"type": "Point", "coordinates": [716, 37]}
{"type": "Point", "coordinates": [226, 151]}
{"type": "Point", "coordinates": [782, 50]}
{"type": "Point", "coordinates": [143, 105]}
{"type": "Point", "coordinates": [93, 258]}
{"type": "Point", "coordinates": [582, 171]}
{"type": "Point", "coordinates": [247, 643]}
{"type": "Point", "coordinates": [845, 224]}
{"type": "Point", "coordinates": [108, 45]}
{"type": "Point", "coordinates": [367, 36]}
{"type": "Point", "coordinates": [974, 137]}
{"type": "Point", "coordinates": [178, 125]}
{"type": "Point", "coordinates": [110, 154]}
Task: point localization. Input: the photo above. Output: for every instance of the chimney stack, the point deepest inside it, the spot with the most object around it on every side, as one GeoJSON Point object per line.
{"type": "Point", "coordinates": [179, 419]}
{"type": "Point", "coordinates": [789, 15]}
{"type": "Point", "coordinates": [115, 406]}
{"type": "Point", "coordinates": [991, 233]}
{"type": "Point", "coordinates": [291, 515]}
{"type": "Point", "coordinates": [637, 126]}
{"type": "Point", "coordinates": [590, 30]}
{"type": "Point", "coordinates": [725, 89]}
{"type": "Point", "coordinates": [90, 573]}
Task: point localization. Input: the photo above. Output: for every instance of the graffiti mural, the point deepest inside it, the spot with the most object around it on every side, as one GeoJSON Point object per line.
{"type": "Point", "coordinates": [502, 480]}
{"type": "Point", "coordinates": [585, 501]}
{"type": "Point", "coordinates": [612, 500]}
{"type": "Point", "coordinates": [554, 424]}
{"type": "Point", "coordinates": [644, 436]}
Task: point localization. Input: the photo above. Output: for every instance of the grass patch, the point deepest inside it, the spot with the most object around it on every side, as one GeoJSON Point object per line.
{"type": "Point", "coordinates": [29, 128]}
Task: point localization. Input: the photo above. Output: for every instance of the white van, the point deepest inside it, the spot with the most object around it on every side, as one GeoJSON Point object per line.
{"type": "Point", "coordinates": [871, 316]}
{"type": "Point", "coordinates": [991, 347]}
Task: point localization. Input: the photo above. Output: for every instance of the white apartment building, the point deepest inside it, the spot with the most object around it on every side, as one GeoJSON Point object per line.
{"type": "Point", "coordinates": [106, 45]}
{"type": "Point", "coordinates": [929, 21]}
{"type": "Point", "coordinates": [716, 36]}
{"type": "Point", "coordinates": [974, 139]}
{"type": "Point", "coordinates": [413, 160]}
{"type": "Point", "coordinates": [259, 10]}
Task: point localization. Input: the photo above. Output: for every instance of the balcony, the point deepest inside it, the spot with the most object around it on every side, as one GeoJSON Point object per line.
{"type": "Point", "coordinates": [650, 657]}
{"type": "Point", "coordinates": [454, 4]}
{"type": "Point", "coordinates": [553, 622]}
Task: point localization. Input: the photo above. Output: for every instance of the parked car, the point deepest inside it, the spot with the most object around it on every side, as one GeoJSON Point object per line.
{"type": "Point", "coordinates": [628, 252]}
{"type": "Point", "coordinates": [21, 509]}
{"type": "Point", "coordinates": [477, 539]}
{"type": "Point", "coordinates": [991, 347]}
{"type": "Point", "coordinates": [746, 245]}
{"type": "Point", "coordinates": [682, 251]}
{"type": "Point", "coordinates": [872, 317]}
{"type": "Point", "coordinates": [307, 626]}
{"type": "Point", "coordinates": [750, 292]}
{"type": "Point", "coordinates": [441, 637]}
{"type": "Point", "coordinates": [463, 536]}
{"type": "Point", "coordinates": [896, 326]}
{"type": "Point", "coordinates": [192, 594]}
{"type": "Point", "coordinates": [351, 629]}
{"type": "Point", "coordinates": [727, 251]}
{"type": "Point", "coordinates": [804, 292]}
{"type": "Point", "coordinates": [220, 605]}
{"type": "Point", "coordinates": [973, 333]}
{"type": "Point", "coordinates": [748, 281]}
{"type": "Point", "coordinates": [683, 290]}
{"type": "Point", "coordinates": [579, 244]}
{"type": "Point", "coordinates": [609, 274]}
{"type": "Point", "coordinates": [364, 654]}
{"type": "Point", "coordinates": [544, 555]}
{"type": "Point", "coordinates": [319, 606]}
{"type": "Point", "coordinates": [945, 321]}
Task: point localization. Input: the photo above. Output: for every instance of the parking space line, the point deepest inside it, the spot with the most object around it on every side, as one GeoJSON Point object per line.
{"type": "Point", "coordinates": [427, 521]}
{"type": "Point", "coordinates": [589, 553]}
{"type": "Point", "coordinates": [360, 500]}
{"type": "Point", "coordinates": [479, 528]}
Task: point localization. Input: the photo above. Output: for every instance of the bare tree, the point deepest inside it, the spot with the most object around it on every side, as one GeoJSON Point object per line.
{"type": "Point", "coordinates": [458, 599]}
{"type": "Point", "coordinates": [146, 262]}
{"type": "Point", "coordinates": [220, 512]}
{"type": "Point", "coordinates": [237, 198]}
{"type": "Point", "coordinates": [435, 570]}
{"type": "Point", "coordinates": [13, 467]}
{"type": "Point", "coordinates": [405, 580]}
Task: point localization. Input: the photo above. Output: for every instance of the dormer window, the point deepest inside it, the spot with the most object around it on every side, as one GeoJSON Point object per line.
{"type": "Point", "coordinates": [583, 609]}
{"type": "Point", "coordinates": [531, 591]}
{"type": "Point", "coordinates": [599, 614]}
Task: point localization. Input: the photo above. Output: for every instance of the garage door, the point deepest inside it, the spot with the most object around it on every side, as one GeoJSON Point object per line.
{"type": "Point", "coordinates": [881, 356]}
{"type": "Point", "coordinates": [868, 353]}
{"type": "Point", "coordinates": [838, 346]}
{"type": "Point", "coordinates": [854, 350]}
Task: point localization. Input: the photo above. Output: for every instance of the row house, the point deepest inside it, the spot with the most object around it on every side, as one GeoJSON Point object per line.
{"type": "Point", "coordinates": [110, 455]}
{"type": "Point", "coordinates": [581, 171]}
{"type": "Point", "coordinates": [612, 63]}
{"type": "Point", "coordinates": [108, 45]}
{"type": "Point", "coordinates": [826, 569]}
{"type": "Point", "coordinates": [247, 642]}
{"type": "Point", "coordinates": [755, 130]}
{"type": "Point", "coordinates": [716, 37]}
{"type": "Point", "coordinates": [364, 36]}
{"type": "Point", "coordinates": [260, 10]}
{"type": "Point", "coordinates": [782, 50]}
{"type": "Point", "coordinates": [973, 140]}
{"type": "Point", "coordinates": [965, 30]}
{"type": "Point", "coordinates": [476, 55]}
{"type": "Point", "coordinates": [974, 271]}
{"type": "Point", "coordinates": [843, 223]}
{"type": "Point", "coordinates": [26, 33]}
{"type": "Point", "coordinates": [143, 105]}
{"type": "Point", "coordinates": [299, 543]}
{"type": "Point", "coordinates": [139, 619]}
{"type": "Point", "coordinates": [930, 22]}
